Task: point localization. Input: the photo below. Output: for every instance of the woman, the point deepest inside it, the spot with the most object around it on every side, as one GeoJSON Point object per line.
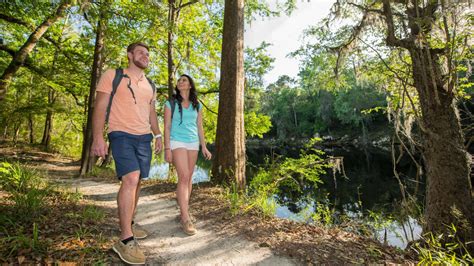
{"type": "Point", "coordinates": [183, 135]}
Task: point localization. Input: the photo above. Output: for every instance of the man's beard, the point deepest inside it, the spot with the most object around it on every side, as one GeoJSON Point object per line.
{"type": "Point", "coordinates": [140, 64]}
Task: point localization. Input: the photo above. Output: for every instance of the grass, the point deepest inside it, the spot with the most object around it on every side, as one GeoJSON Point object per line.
{"type": "Point", "coordinates": [445, 249]}
{"type": "Point", "coordinates": [41, 223]}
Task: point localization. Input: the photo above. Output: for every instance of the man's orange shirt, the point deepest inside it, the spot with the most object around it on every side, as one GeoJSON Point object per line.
{"type": "Point", "coordinates": [125, 114]}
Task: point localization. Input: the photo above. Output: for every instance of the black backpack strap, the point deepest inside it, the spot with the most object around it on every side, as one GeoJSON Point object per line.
{"type": "Point", "coordinates": [153, 87]}
{"type": "Point", "coordinates": [152, 84]}
{"type": "Point", "coordinates": [115, 83]}
{"type": "Point", "coordinates": [172, 105]}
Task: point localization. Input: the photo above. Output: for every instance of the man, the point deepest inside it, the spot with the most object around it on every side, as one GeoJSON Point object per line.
{"type": "Point", "coordinates": [132, 118]}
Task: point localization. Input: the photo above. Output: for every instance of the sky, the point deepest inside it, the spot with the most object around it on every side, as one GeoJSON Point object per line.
{"type": "Point", "coordinates": [285, 34]}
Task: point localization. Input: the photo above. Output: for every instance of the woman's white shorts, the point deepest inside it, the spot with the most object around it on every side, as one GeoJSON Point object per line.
{"type": "Point", "coordinates": [192, 146]}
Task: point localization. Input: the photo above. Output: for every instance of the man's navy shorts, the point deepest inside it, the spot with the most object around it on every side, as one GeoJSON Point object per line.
{"type": "Point", "coordinates": [131, 153]}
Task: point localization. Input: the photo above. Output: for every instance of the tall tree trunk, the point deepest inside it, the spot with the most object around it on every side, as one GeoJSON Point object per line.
{"type": "Point", "coordinates": [5, 130]}
{"type": "Point", "coordinates": [31, 128]}
{"type": "Point", "coordinates": [87, 160]}
{"type": "Point", "coordinates": [20, 56]}
{"type": "Point", "coordinates": [171, 66]}
{"type": "Point", "coordinates": [48, 122]}
{"type": "Point", "coordinates": [449, 190]}
{"type": "Point", "coordinates": [30, 117]}
{"type": "Point", "coordinates": [174, 9]}
{"type": "Point", "coordinates": [16, 132]}
{"type": "Point", "coordinates": [229, 163]}
{"type": "Point", "coordinates": [446, 159]}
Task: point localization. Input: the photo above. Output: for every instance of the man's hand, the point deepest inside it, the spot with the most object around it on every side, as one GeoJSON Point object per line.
{"type": "Point", "coordinates": [99, 147]}
{"type": "Point", "coordinates": [158, 145]}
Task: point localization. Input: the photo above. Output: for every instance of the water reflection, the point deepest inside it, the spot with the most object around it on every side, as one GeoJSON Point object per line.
{"type": "Point", "coordinates": [160, 170]}
{"type": "Point", "coordinates": [393, 233]}
{"type": "Point", "coordinates": [369, 192]}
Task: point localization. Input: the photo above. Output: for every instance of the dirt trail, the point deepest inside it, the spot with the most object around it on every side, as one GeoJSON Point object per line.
{"type": "Point", "coordinates": [246, 239]}
{"type": "Point", "coordinates": [167, 244]}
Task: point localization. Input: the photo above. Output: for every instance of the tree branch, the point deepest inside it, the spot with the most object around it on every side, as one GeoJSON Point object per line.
{"type": "Point", "coordinates": [208, 92]}
{"type": "Point", "coordinates": [29, 26]}
{"type": "Point", "coordinates": [28, 62]}
{"type": "Point", "coordinates": [391, 39]}
{"type": "Point", "coordinates": [40, 72]}
{"type": "Point", "coordinates": [205, 106]}
{"type": "Point", "coordinates": [188, 3]}
{"type": "Point", "coordinates": [11, 19]}
{"type": "Point", "coordinates": [383, 61]}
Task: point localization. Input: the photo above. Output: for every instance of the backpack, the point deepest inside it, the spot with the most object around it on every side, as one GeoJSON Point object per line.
{"type": "Point", "coordinates": [172, 100]}
{"type": "Point", "coordinates": [117, 79]}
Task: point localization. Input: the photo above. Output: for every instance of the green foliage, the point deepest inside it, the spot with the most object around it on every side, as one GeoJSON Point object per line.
{"type": "Point", "coordinates": [31, 204]}
{"type": "Point", "coordinates": [319, 101]}
{"type": "Point", "coordinates": [351, 106]}
{"type": "Point", "coordinates": [256, 124]}
{"type": "Point", "coordinates": [17, 240]}
{"type": "Point", "coordinates": [257, 63]}
{"type": "Point", "coordinates": [92, 213]}
{"type": "Point", "coordinates": [57, 76]}
{"type": "Point", "coordinates": [443, 249]}
{"type": "Point", "coordinates": [235, 198]}
{"type": "Point", "coordinates": [25, 186]}
{"type": "Point", "coordinates": [323, 214]}
{"type": "Point", "coordinates": [290, 174]}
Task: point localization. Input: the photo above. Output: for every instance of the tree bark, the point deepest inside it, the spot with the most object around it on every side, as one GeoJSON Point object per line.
{"type": "Point", "coordinates": [31, 128]}
{"type": "Point", "coordinates": [48, 125]}
{"type": "Point", "coordinates": [87, 160]}
{"type": "Point", "coordinates": [229, 162]}
{"type": "Point", "coordinates": [20, 56]}
{"type": "Point", "coordinates": [171, 66]}
{"type": "Point", "coordinates": [16, 132]}
{"type": "Point", "coordinates": [449, 189]}
{"type": "Point", "coordinates": [446, 160]}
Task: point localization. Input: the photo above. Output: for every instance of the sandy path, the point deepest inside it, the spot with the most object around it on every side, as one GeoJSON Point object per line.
{"type": "Point", "coordinates": [167, 244]}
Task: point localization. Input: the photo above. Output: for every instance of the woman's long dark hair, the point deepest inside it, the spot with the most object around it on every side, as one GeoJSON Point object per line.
{"type": "Point", "coordinates": [192, 96]}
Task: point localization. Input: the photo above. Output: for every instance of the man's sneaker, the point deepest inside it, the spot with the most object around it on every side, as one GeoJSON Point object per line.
{"type": "Point", "coordinates": [138, 231]}
{"type": "Point", "coordinates": [188, 227]}
{"type": "Point", "coordinates": [129, 253]}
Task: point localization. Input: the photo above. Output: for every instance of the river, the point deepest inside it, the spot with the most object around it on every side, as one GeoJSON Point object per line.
{"type": "Point", "coordinates": [367, 194]}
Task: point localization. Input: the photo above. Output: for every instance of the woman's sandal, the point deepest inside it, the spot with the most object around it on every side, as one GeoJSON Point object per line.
{"type": "Point", "coordinates": [188, 227]}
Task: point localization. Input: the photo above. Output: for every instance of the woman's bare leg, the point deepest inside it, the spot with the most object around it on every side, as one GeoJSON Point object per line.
{"type": "Point", "coordinates": [180, 161]}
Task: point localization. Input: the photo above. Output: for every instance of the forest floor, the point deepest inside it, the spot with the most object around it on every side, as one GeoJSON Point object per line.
{"type": "Point", "coordinates": [222, 238]}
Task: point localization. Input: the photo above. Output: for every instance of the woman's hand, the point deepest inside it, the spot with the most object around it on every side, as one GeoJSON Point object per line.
{"type": "Point", "coordinates": [206, 153]}
{"type": "Point", "coordinates": [168, 156]}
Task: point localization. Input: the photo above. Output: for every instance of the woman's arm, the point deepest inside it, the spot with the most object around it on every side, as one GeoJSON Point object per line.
{"type": "Point", "coordinates": [202, 138]}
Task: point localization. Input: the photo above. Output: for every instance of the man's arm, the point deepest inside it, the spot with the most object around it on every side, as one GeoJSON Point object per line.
{"type": "Point", "coordinates": [167, 132]}
{"type": "Point", "coordinates": [99, 147]}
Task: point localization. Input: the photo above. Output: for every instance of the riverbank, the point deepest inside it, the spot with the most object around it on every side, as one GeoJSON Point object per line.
{"type": "Point", "coordinates": [246, 235]}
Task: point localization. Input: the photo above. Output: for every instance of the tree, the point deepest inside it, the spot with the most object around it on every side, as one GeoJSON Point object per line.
{"type": "Point", "coordinates": [229, 162]}
{"type": "Point", "coordinates": [434, 38]}
{"type": "Point", "coordinates": [21, 55]}
{"type": "Point", "coordinates": [174, 10]}
{"type": "Point", "coordinates": [87, 160]}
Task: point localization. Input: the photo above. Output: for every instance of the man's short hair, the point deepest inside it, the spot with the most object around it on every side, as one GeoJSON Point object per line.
{"type": "Point", "coordinates": [132, 46]}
